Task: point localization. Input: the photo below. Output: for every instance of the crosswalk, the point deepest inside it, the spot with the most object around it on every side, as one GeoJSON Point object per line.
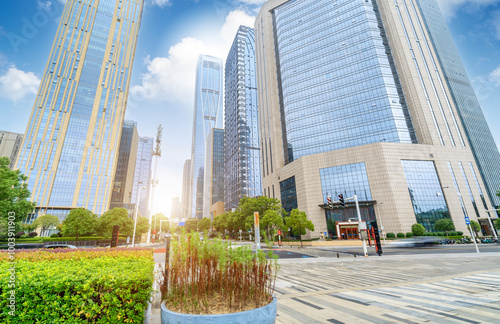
{"type": "Point", "coordinates": [397, 291]}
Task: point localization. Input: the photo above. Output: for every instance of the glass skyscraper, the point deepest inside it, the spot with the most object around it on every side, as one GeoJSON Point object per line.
{"type": "Point", "coordinates": [142, 175]}
{"type": "Point", "coordinates": [207, 114]}
{"type": "Point", "coordinates": [242, 153]}
{"type": "Point", "coordinates": [352, 101]}
{"type": "Point", "coordinates": [214, 170]}
{"type": "Point", "coordinates": [71, 142]}
{"type": "Point", "coordinates": [475, 126]}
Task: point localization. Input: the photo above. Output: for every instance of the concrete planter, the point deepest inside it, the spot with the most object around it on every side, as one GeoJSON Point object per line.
{"type": "Point", "coordinates": [262, 315]}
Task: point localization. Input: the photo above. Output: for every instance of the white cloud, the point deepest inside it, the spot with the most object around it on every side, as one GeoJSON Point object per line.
{"type": "Point", "coordinates": [15, 84]}
{"type": "Point", "coordinates": [253, 2]}
{"type": "Point", "coordinates": [450, 7]}
{"type": "Point", "coordinates": [172, 78]}
{"type": "Point", "coordinates": [161, 3]}
{"type": "Point", "coordinates": [495, 76]}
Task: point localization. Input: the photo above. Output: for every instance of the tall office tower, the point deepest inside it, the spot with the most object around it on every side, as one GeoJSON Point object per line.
{"type": "Point", "coordinates": [70, 148]}
{"type": "Point", "coordinates": [243, 176]}
{"type": "Point", "coordinates": [475, 126]}
{"type": "Point", "coordinates": [187, 186]}
{"type": "Point", "coordinates": [9, 145]}
{"type": "Point", "coordinates": [214, 170]}
{"type": "Point", "coordinates": [356, 103]}
{"type": "Point", "coordinates": [121, 196]}
{"type": "Point", "coordinates": [207, 115]}
{"type": "Point", "coordinates": [175, 208]}
{"type": "Point", "coordinates": [142, 175]}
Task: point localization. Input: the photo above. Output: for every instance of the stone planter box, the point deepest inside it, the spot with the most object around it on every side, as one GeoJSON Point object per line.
{"type": "Point", "coordinates": [262, 315]}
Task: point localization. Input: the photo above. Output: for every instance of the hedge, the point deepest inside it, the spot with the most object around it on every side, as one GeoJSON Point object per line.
{"type": "Point", "coordinates": [409, 235]}
{"type": "Point", "coordinates": [84, 286]}
{"type": "Point", "coordinates": [391, 235]}
{"type": "Point", "coordinates": [400, 235]}
{"type": "Point", "coordinates": [54, 239]}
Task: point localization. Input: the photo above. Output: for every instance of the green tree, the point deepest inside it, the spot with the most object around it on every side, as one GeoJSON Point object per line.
{"type": "Point", "coordinates": [115, 216]}
{"type": "Point", "coordinates": [204, 224]}
{"type": "Point", "coordinates": [418, 229]}
{"type": "Point", "coordinates": [475, 227]}
{"type": "Point", "coordinates": [79, 221]}
{"type": "Point", "coordinates": [45, 222]}
{"type": "Point", "coordinates": [142, 226]}
{"type": "Point", "coordinates": [14, 194]}
{"type": "Point", "coordinates": [220, 223]}
{"type": "Point", "coordinates": [155, 221]}
{"type": "Point", "coordinates": [191, 225]}
{"type": "Point", "coordinates": [497, 223]}
{"type": "Point", "coordinates": [244, 215]}
{"type": "Point", "coordinates": [299, 223]}
{"type": "Point", "coordinates": [272, 221]}
{"type": "Point", "coordinates": [444, 225]}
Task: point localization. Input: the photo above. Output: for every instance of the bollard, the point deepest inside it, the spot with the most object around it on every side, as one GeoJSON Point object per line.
{"type": "Point", "coordinates": [338, 255]}
{"type": "Point", "coordinates": [167, 252]}
{"type": "Point", "coordinates": [354, 254]}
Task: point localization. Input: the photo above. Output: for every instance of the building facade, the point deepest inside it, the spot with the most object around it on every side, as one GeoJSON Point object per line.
{"type": "Point", "coordinates": [475, 126]}
{"type": "Point", "coordinates": [9, 145]}
{"type": "Point", "coordinates": [70, 149]}
{"type": "Point", "coordinates": [214, 170]}
{"type": "Point", "coordinates": [243, 176]}
{"type": "Point", "coordinates": [356, 104]}
{"type": "Point", "coordinates": [207, 114]}
{"type": "Point", "coordinates": [187, 185]}
{"type": "Point", "coordinates": [142, 175]}
{"type": "Point", "coordinates": [125, 168]}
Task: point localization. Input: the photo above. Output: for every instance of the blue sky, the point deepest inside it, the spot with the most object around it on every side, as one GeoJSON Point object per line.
{"type": "Point", "coordinates": [173, 33]}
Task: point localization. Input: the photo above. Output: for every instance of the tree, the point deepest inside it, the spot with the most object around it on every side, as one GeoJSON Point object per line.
{"type": "Point", "coordinates": [243, 216]}
{"type": "Point", "coordinates": [272, 221]}
{"type": "Point", "coordinates": [142, 226]}
{"type": "Point", "coordinates": [115, 216]}
{"type": "Point", "coordinates": [155, 221]}
{"type": "Point", "coordinates": [475, 227]}
{"type": "Point", "coordinates": [444, 225]}
{"type": "Point", "coordinates": [497, 223]}
{"type": "Point", "coordinates": [14, 194]}
{"type": "Point", "coordinates": [418, 229]}
{"type": "Point", "coordinates": [79, 221]}
{"type": "Point", "coordinates": [45, 222]}
{"type": "Point", "coordinates": [220, 223]}
{"type": "Point", "coordinates": [191, 225]}
{"type": "Point", "coordinates": [299, 223]}
{"type": "Point", "coordinates": [204, 224]}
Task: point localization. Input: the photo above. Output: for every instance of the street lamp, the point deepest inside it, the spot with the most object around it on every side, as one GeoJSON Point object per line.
{"type": "Point", "coordinates": [136, 211]}
{"type": "Point", "coordinates": [380, 218]}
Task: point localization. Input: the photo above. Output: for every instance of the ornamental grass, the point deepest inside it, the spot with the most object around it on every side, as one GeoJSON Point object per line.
{"type": "Point", "coordinates": [214, 277]}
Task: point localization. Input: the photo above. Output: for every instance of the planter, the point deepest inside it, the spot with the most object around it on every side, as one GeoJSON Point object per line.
{"type": "Point", "coordinates": [262, 315]}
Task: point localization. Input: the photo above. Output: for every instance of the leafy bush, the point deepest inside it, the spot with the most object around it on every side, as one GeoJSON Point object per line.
{"type": "Point", "coordinates": [63, 239]}
{"type": "Point", "coordinates": [400, 235]}
{"type": "Point", "coordinates": [440, 234]}
{"type": "Point", "coordinates": [19, 234]}
{"type": "Point", "coordinates": [409, 235]}
{"type": "Point", "coordinates": [390, 235]}
{"type": "Point", "coordinates": [54, 235]}
{"type": "Point", "coordinates": [83, 286]}
{"type": "Point", "coordinates": [459, 233]}
{"type": "Point", "coordinates": [24, 236]}
{"type": "Point", "coordinates": [417, 229]}
{"type": "Point", "coordinates": [452, 233]}
{"type": "Point", "coordinates": [33, 234]}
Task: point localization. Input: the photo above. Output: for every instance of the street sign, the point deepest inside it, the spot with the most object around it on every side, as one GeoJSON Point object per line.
{"type": "Point", "coordinates": [325, 233]}
{"type": "Point", "coordinates": [182, 223]}
{"type": "Point", "coordinates": [467, 220]}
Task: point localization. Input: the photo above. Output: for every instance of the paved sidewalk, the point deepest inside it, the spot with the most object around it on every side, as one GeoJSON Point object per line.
{"type": "Point", "coordinates": [437, 288]}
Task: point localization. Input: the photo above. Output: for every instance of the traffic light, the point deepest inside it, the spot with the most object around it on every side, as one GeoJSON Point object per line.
{"type": "Point", "coordinates": [341, 200]}
{"type": "Point", "coordinates": [329, 202]}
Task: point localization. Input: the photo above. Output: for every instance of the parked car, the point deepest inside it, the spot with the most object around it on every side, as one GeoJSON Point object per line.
{"type": "Point", "coordinates": [415, 242]}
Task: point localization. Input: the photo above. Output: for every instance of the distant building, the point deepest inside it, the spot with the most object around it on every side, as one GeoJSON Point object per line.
{"type": "Point", "coordinates": [207, 114]}
{"type": "Point", "coordinates": [216, 209]}
{"type": "Point", "coordinates": [187, 186]}
{"type": "Point", "coordinates": [243, 177]}
{"type": "Point", "coordinates": [9, 145]}
{"type": "Point", "coordinates": [214, 170]}
{"type": "Point", "coordinates": [142, 175]}
{"type": "Point", "coordinates": [176, 208]}
{"type": "Point", "coordinates": [125, 168]}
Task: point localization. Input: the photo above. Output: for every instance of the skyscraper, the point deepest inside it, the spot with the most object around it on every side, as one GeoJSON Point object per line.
{"type": "Point", "coordinates": [71, 142]}
{"type": "Point", "coordinates": [242, 153]}
{"type": "Point", "coordinates": [142, 175]}
{"type": "Point", "coordinates": [475, 126]}
{"type": "Point", "coordinates": [207, 114]}
{"type": "Point", "coordinates": [9, 145]}
{"type": "Point", "coordinates": [187, 186]}
{"type": "Point", "coordinates": [214, 170]}
{"type": "Point", "coordinates": [355, 103]}
{"type": "Point", "coordinates": [125, 169]}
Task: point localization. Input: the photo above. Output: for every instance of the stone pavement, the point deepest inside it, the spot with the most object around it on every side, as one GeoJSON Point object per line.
{"type": "Point", "coordinates": [437, 288]}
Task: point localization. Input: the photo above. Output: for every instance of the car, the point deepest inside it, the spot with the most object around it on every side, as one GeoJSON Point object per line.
{"type": "Point", "coordinates": [60, 246]}
{"type": "Point", "coordinates": [415, 242]}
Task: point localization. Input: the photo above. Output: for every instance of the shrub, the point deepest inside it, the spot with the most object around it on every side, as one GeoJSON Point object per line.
{"type": "Point", "coordinates": [409, 235]}
{"type": "Point", "coordinates": [54, 235]}
{"type": "Point", "coordinates": [33, 234]}
{"type": "Point", "coordinates": [24, 236]}
{"type": "Point", "coordinates": [452, 233]}
{"type": "Point", "coordinates": [440, 234]}
{"type": "Point", "coordinates": [19, 234]}
{"type": "Point", "coordinates": [417, 229]}
{"type": "Point", "coordinates": [400, 235]}
{"type": "Point", "coordinates": [84, 286]}
{"type": "Point", "coordinates": [390, 235]}
{"type": "Point", "coordinates": [460, 233]}
{"type": "Point", "coordinates": [68, 239]}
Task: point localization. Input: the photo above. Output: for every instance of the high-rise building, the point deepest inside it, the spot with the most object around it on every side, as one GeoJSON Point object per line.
{"type": "Point", "coordinates": [207, 114]}
{"type": "Point", "coordinates": [356, 103]}
{"type": "Point", "coordinates": [142, 175]}
{"type": "Point", "coordinates": [243, 176]}
{"type": "Point", "coordinates": [9, 145]}
{"type": "Point", "coordinates": [70, 149]}
{"type": "Point", "coordinates": [175, 209]}
{"type": "Point", "coordinates": [214, 170]}
{"type": "Point", "coordinates": [125, 169]}
{"type": "Point", "coordinates": [475, 126]}
{"type": "Point", "coordinates": [187, 186]}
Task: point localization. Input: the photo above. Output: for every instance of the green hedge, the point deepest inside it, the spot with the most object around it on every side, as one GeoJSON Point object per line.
{"type": "Point", "coordinates": [109, 287]}
{"type": "Point", "coordinates": [400, 235]}
{"type": "Point", "coordinates": [409, 234]}
{"type": "Point", "coordinates": [390, 235]}
{"type": "Point", "coordinates": [57, 239]}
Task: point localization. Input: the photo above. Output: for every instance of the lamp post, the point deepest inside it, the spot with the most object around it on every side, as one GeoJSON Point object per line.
{"type": "Point", "coordinates": [380, 218]}
{"type": "Point", "coordinates": [136, 211]}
